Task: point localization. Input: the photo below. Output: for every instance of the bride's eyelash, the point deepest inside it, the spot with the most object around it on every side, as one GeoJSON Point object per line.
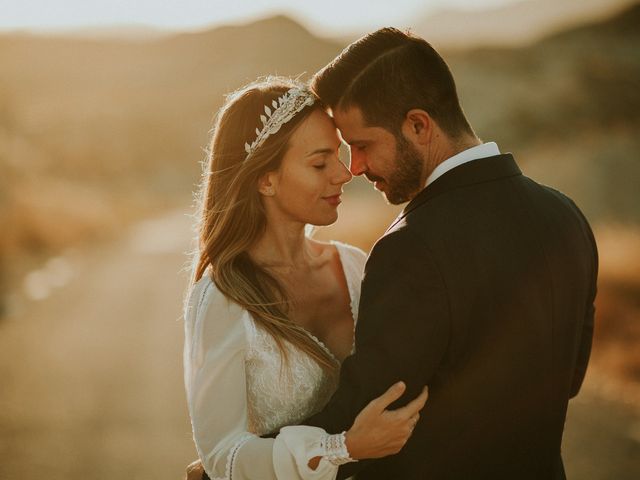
{"type": "Point", "coordinates": [320, 167]}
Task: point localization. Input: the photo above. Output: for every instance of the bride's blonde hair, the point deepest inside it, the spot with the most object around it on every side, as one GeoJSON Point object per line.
{"type": "Point", "coordinates": [232, 217]}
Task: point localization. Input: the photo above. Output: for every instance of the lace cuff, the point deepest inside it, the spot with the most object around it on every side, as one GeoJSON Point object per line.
{"type": "Point", "coordinates": [295, 446]}
{"type": "Point", "coordinates": [336, 449]}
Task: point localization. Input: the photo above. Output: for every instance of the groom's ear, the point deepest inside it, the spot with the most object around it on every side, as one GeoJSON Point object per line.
{"type": "Point", "coordinates": [266, 184]}
{"type": "Point", "coordinates": [417, 125]}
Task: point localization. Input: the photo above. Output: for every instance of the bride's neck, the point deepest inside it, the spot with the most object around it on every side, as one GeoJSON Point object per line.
{"type": "Point", "coordinates": [283, 245]}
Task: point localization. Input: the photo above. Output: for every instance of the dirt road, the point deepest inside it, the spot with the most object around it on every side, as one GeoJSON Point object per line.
{"type": "Point", "coordinates": [91, 372]}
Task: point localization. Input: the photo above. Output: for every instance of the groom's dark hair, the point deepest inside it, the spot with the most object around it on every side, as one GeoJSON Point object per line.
{"type": "Point", "coordinates": [387, 73]}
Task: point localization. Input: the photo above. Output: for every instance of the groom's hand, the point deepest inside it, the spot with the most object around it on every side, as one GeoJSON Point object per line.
{"type": "Point", "coordinates": [195, 471]}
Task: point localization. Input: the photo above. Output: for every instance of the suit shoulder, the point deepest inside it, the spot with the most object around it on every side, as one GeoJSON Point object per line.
{"type": "Point", "coordinates": [397, 235]}
{"type": "Point", "coordinates": [575, 212]}
{"type": "Point", "coordinates": [399, 243]}
{"type": "Point", "coordinates": [569, 202]}
{"type": "Point", "coordinates": [559, 195]}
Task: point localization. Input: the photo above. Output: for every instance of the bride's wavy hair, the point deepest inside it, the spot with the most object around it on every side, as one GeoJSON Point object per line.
{"type": "Point", "coordinates": [232, 217]}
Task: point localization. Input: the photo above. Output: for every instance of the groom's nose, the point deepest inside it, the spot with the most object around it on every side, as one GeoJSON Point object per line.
{"type": "Point", "coordinates": [358, 164]}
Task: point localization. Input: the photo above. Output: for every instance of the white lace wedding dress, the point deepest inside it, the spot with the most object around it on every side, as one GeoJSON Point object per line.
{"type": "Point", "coordinates": [237, 392]}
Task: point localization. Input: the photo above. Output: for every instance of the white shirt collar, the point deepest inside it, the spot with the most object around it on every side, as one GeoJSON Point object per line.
{"type": "Point", "coordinates": [483, 150]}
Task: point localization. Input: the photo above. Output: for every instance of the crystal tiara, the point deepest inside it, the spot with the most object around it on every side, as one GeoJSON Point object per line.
{"type": "Point", "coordinates": [284, 109]}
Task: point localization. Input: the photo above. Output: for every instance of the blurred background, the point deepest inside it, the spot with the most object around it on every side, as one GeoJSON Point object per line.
{"type": "Point", "coordinates": [105, 111]}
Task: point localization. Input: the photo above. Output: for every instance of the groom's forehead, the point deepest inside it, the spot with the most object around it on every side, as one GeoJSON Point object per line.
{"type": "Point", "coordinates": [346, 135]}
{"type": "Point", "coordinates": [343, 136]}
{"type": "Point", "coordinates": [350, 124]}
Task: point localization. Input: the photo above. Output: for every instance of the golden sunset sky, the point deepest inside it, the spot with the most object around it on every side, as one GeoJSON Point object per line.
{"type": "Point", "coordinates": [324, 16]}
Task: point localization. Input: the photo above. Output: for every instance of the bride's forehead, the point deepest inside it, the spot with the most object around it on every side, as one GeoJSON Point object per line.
{"type": "Point", "coordinates": [317, 127]}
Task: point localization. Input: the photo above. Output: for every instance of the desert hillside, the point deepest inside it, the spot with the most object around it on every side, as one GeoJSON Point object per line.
{"type": "Point", "coordinates": [568, 107]}
{"type": "Point", "coordinates": [96, 133]}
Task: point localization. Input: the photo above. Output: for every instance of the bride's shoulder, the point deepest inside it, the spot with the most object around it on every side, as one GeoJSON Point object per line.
{"type": "Point", "coordinates": [205, 299]}
{"type": "Point", "coordinates": [212, 322]}
{"type": "Point", "coordinates": [203, 289]}
{"type": "Point", "coordinates": [351, 254]}
{"type": "Point", "coordinates": [345, 250]}
{"type": "Point", "coordinates": [349, 249]}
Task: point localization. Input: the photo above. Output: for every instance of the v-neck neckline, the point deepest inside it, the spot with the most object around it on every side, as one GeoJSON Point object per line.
{"type": "Point", "coordinates": [339, 246]}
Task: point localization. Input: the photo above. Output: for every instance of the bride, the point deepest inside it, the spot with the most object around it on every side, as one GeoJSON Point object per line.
{"type": "Point", "coordinates": [271, 313]}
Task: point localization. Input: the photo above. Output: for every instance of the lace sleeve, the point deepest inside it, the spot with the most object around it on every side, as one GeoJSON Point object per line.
{"type": "Point", "coordinates": [215, 381]}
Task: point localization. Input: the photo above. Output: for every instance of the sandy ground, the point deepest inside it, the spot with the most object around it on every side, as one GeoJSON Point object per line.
{"type": "Point", "coordinates": [91, 374]}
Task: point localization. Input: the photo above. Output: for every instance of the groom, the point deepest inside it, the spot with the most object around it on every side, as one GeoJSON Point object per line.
{"type": "Point", "coordinates": [483, 288]}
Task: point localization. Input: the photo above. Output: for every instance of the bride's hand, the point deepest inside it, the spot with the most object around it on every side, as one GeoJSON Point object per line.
{"type": "Point", "coordinates": [378, 432]}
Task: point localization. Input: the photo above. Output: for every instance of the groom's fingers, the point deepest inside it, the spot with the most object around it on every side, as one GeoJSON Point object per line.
{"type": "Point", "coordinates": [415, 405]}
{"type": "Point", "coordinates": [391, 395]}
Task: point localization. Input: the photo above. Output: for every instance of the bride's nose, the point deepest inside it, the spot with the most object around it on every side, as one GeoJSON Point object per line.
{"type": "Point", "coordinates": [342, 175]}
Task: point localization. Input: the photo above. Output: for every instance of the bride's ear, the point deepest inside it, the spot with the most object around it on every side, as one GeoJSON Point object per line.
{"type": "Point", "coordinates": [266, 184]}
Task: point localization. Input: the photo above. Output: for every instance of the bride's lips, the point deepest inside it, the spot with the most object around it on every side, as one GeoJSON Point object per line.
{"type": "Point", "coordinates": [333, 200]}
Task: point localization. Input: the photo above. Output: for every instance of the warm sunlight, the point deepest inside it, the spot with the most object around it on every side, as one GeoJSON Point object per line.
{"type": "Point", "coordinates": [113, 365]}
{"type": "Point", "coordinates": [330, 16]}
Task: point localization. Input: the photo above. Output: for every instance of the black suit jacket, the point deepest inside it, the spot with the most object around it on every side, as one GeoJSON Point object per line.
{"type": "Point", "coordinates": [483, 289]}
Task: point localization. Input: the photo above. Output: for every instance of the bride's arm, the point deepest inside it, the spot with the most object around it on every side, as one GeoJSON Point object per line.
{"type": "Point", "coordinates": [215, 343]}
{"type": "Point", "coordinates": [214, 360]}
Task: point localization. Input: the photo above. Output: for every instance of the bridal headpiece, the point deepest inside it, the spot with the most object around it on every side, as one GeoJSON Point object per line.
{"type": "Point", "coordinates": [280, 112]}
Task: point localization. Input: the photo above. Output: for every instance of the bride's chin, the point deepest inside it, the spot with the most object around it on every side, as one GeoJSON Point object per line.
{"type": "Point", "coordinates": [324, 222]}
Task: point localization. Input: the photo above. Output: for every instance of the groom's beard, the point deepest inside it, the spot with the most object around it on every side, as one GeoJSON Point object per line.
{"type": "Point", "coordinates": [404, 181]}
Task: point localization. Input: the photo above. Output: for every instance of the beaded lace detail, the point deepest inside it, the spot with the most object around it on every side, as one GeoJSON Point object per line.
{"type": "Point", "coordinates": [284, 109]}
{"type": "Point", "coordinates": [277, 395]}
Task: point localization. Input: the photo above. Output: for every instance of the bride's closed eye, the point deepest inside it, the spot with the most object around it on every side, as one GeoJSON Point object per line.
{"type": "Point", "coordinates": [320, 166]}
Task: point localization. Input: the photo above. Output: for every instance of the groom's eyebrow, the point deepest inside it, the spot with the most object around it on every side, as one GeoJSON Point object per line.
{"type": "Point", "coordinates": [353, 141]}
